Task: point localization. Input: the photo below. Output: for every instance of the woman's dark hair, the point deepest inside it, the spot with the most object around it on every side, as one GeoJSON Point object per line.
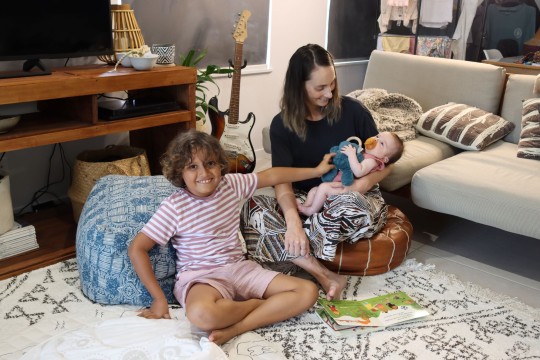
{"type": "Point", "coordinates": [293, 104]}
{"type": "Point", "coordinates": [180, 152]}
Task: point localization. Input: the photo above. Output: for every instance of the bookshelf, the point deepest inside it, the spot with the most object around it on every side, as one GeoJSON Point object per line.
{"type": "Point", "coordinates": [67, 101]}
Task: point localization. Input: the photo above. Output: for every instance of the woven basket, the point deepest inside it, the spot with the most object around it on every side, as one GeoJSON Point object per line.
{"type": "Point", "coordinates": [91, 165]}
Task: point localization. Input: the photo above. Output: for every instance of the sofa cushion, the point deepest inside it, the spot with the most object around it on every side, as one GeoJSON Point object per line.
{"type": "Point", "coordinates": [392, 112]}
{"type": "Point", "coordinates": [463, 126]}
{"type": "Point", "coordinates": [518, 88]}
{"type": "Point", "coordinates": [482, 186]}
{"type": "Point", "coordinates": [529, 141]}
{"type": "Point", "coordinates": [417, 153]}
{"type": "Point", "coordinates": [436, 81]}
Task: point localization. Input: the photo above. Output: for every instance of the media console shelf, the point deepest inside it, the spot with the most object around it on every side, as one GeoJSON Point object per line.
{"type": "Point", "coordinates": [67, 101]}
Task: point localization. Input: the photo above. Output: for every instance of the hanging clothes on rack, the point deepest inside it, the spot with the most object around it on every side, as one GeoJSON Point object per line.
{"type": "Point", "coordinates": [407, 15]}
{"type": "Point", "coordinates": [509, 22]}
{"type": "Point", "coordinates": [436, 13]}
{"type": "Point", "coordinates": [463, 28]}
{"type": "Point", "coordinates": [398, 2]}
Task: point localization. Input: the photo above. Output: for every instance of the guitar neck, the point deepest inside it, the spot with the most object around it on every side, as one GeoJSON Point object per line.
{"type": "Point", "coordinates": [234, 104]}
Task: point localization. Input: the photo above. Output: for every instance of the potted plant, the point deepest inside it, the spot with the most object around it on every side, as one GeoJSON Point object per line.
{"type": "Point", "coordinates": [204, 76]}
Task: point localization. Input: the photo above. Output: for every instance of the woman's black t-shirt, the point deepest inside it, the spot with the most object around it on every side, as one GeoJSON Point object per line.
{"type": "Point", "coordinates": [290, 151]}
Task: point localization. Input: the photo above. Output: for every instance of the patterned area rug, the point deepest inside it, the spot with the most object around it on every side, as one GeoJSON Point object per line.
{"type": "Point", "coordinates": [466, 322]}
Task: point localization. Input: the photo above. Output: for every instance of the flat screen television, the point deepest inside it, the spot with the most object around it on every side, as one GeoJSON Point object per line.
{"type": "Point", "coordinates": [32, 30]}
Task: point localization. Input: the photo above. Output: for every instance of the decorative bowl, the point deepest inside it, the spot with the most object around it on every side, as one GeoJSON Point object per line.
{"type": "Point", "coordinates": [146, 62]}
{"type": "Point", "coordinates": [126, 61]}
{"type": "Point", "coordinates": [7, 122]}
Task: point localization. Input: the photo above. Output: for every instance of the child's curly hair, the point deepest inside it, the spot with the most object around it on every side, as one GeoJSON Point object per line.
{"type": "Point", "coordinates": [180, 151]}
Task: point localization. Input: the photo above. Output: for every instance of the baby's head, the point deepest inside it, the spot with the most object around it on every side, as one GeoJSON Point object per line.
{"type": "Point", "coordinates": [182, 150]}
{"type": "Point", "coordinates": [387, 146]}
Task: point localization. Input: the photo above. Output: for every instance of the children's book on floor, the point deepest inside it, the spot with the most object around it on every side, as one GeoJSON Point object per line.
{"type": "Point", "coordinates": [344, 330]}
{"type": "Point", "coordinates": [380, 311]}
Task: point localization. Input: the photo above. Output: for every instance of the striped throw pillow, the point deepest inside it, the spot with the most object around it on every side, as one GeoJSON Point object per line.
{"type": "Point", "coordinates": [463, 126]}
{"type": "Point", "coordinates": [529, 141]}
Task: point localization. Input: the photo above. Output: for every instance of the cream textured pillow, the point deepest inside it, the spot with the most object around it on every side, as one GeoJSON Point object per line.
{"type": "Point", "coordinates": [529, 141]}
{"type": "Point", "coordinates": [463, 126]}
{"type": "Point", "coordinates": [391, 111]}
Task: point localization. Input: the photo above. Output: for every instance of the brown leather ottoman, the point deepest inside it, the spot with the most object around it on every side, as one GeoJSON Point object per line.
{"type": "Point", "coordinates": [379, 254]}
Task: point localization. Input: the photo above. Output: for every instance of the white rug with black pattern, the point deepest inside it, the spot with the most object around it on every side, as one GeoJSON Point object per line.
{"type": "Point", "coordinates": [43, 310]}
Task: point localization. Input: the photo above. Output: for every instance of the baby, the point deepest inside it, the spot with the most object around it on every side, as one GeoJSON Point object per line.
{"type": "Point", "coordinates": [381, 150]}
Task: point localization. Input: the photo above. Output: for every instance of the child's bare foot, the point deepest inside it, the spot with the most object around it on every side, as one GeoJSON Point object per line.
{"type": "Point", "coordinates": [221, 336]}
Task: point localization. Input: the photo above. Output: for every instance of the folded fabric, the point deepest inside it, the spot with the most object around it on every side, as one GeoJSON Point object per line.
{"type": "Point", "coordinates": [463, 126]}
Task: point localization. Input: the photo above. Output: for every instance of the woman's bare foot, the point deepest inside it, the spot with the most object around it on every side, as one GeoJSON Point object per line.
{"type": "Point", "coordinates": [332, 283]}
{"type": "Point", "coordinates": [334, 286]}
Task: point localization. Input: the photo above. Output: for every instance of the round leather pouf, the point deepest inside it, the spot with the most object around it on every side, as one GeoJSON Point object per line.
{"type": "Point", "coordinates": [379, 254]}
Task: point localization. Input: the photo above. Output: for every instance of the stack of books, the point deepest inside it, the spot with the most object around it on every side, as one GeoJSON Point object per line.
{"type": "Point", "coordinates": [20, 239]}
{"type": "Point", "coordinates": [352, 317]}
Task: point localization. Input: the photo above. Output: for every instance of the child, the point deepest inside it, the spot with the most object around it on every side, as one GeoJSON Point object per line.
{"type": "Point", "coordinates": [222, 292]}
{"type": "Point", "coordinates": [381, 150]}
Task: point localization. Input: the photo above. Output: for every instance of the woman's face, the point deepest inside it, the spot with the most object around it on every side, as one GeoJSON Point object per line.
{"type": "Point", "coordinates": [320, 86]}
{"type": "Point", "coordinates": [202, 175]}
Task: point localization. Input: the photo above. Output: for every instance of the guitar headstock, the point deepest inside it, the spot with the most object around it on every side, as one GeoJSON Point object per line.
{"type": "Point", "coordinates": [240, 32]}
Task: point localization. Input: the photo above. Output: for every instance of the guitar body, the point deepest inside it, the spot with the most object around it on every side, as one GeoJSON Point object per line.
{"type": "Point", "coordinates": [235, 139]}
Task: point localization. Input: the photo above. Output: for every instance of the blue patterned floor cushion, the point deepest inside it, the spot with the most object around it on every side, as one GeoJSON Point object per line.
{"type": "Point", "coordinates": [115, 211]}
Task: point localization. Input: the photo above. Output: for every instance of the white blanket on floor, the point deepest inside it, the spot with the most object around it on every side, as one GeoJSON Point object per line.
{"type": "Point", "coordinates": [129, 338]}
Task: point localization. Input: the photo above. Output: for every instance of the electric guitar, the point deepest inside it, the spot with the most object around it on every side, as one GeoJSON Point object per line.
{"type": "Point", "coordinates": [234, 135]}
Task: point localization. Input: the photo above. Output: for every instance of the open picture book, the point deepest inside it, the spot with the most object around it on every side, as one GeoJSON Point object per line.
{"type": "Point", "coordinates": [370, 314]}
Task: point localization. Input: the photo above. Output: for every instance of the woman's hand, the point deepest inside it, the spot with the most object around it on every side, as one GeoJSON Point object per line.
{"type": "Point", "coordinates": [326, 164]}
{"type": "Point", "coordinates": [296, 241]}
{"type": "Point", "coordinates": [158, 310]}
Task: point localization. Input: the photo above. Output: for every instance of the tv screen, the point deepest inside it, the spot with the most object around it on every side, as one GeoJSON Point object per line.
{"type": "Point", "coordinates": [51, 29]}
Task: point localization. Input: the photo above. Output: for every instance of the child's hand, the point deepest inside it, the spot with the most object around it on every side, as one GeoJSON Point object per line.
{"type": "Point", "coordinates": [348, 150]}
{"type": "Point", "coordinates": [326, 164]}
{"type": "Point", "coordinates": [158, 310]}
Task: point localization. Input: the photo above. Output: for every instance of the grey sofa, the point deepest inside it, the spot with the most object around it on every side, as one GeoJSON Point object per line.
{"type": "Point", "coordinates": [492, 186]}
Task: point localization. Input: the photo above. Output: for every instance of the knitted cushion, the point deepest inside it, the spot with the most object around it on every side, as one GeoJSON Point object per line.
{"type": "Point", "coordinates": [115, 211]}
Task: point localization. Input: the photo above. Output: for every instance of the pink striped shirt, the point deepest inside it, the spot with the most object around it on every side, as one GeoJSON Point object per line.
{"type": "Point", "coordinates": [204, 231]}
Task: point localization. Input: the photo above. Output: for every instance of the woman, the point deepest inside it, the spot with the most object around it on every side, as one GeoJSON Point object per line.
{"type": "Point", "coordinates": [313, 118]}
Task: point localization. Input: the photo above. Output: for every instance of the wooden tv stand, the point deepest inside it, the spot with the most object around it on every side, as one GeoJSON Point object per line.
{"type": "Point", "coordinates": [67, 101]}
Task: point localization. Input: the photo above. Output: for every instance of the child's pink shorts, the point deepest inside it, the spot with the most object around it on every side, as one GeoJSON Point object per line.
{"type": "Point", "coordinates": [239, 281]}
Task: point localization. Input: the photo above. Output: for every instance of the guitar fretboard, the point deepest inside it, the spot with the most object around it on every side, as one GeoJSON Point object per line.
{"type": "Point", "coordinates": [235, 92]}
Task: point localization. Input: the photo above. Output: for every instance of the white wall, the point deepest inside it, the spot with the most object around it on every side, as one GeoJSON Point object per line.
{"type": "Point", "coordinates": [293, 24]}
